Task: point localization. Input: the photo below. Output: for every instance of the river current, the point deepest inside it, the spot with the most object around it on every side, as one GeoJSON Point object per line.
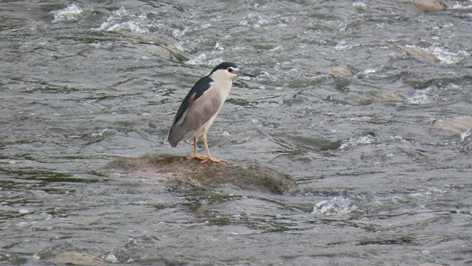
{"type": "Point", "coordinates": [366, 104]}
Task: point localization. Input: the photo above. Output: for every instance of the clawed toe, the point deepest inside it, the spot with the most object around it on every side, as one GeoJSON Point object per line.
{"type": "Point", "coordinates": [205, 159]}
{"type": "Point", "coordinates": [213, 160]}
{"type": "Point", "coordinates": [198, 157]}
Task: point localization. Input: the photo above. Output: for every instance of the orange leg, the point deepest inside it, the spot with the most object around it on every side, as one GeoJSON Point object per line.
{"type": "Point", "coordinates": [195, 153]}
{"type": "Point", "coordinates": [209, 158]}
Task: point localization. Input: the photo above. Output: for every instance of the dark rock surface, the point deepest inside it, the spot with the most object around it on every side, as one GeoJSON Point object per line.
{"type": "Point", "coordinates": [178, 173]}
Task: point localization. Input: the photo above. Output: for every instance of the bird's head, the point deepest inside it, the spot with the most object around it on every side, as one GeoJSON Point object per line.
{"type": "Point", "coordinates": [226, 70]}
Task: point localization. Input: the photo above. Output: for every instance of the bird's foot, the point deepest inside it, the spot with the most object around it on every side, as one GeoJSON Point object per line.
{"type": "Point", "coordinates": [198, 157]}
{"type": "Point", "coordinates": [213, 160]}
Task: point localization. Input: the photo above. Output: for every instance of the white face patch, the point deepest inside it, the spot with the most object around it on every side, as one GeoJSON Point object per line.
{"type": "Point", "coordinates": [223, 74]}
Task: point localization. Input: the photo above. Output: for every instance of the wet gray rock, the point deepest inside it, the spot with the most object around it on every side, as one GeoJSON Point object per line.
{"type": "Point", "coordinates": [458, 124]}
{"type": "Point", "coordinates": [76, 258]}
{"type": "Point", "coordinates": [419, 54]}
{"type": "Point", "coordinates": [178, 173]}
{"type": "Point", "coordinates": [11, 259]}
{"type": "Point", "coordinates": [340, 72]}
{"type": "Point", "coordinates": [429, 5]}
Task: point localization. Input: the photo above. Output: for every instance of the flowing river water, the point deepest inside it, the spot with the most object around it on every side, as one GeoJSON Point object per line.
{"type": "Point", "coordinates": [365, 104]}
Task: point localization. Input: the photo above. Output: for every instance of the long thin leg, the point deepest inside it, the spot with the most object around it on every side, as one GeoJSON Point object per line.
{"type": "Point", "coordinates": [195, 152]}
{"type": "Point", "coordinates": [209, 158]}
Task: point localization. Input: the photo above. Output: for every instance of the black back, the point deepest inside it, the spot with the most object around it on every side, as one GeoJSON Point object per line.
{"type": "Point", "coordinates": [199, 88]}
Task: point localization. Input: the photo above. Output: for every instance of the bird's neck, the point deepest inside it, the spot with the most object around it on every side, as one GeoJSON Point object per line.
{"type": "Point", "coordinates": [224, 87]}
{"type": "Point", "coordinates": [223, 83]}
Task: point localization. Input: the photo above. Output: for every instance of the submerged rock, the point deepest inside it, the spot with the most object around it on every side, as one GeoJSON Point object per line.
{"type": "Point", "coordinates": [383, 97]}
{"type": "Point", "coordinates": [340, 72]}
{"type": "Point", "coordinates": [458, 124]}
{"type": "Point", "coordinates": [419, 54]}
{"type": "Point", "coordinates": [11, 259]}
{"type": "Point", "coordinates": [76, 258]}
{"type": "Point", "coordinates": [429, 5]}
{"type": "Point", "coordinates": [388, 97]}
{"type": "Point", "coordinates": [181, 174]}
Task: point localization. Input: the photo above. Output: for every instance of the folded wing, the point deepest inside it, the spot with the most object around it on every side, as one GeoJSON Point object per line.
{"type": "Point", "coordinates": [199, 106]}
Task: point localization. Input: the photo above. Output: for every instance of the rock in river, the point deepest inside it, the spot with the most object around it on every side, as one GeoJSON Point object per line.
{"type": "Point", "coordinates": [458, 124]}
{"type": "Point", "coordinates": [340, 72]}
{"type": "Point", "coordinates": [178, 173]}
{"type": "Point", "coordinates": [429, 5]}
{"type": "Point", "coordinates": [419, 54]}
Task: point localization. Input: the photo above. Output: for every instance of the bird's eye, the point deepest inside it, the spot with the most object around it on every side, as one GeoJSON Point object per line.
{"type": "Point", "coordinates": [230, 69]}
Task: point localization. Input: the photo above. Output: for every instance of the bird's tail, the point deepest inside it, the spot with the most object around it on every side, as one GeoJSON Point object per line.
{"type": "Point", "coordinates": [176, 134]}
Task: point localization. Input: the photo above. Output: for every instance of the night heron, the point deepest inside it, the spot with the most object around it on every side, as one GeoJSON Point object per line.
{"type": "Point", "coordinates": [200, 108]}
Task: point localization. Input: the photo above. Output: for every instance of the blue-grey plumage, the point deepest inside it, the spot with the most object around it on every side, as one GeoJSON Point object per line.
{"type": "Point", "coordinates": [200, 108]}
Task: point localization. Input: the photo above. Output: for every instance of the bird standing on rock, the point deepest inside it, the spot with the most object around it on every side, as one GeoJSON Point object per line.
{"type": "Point", "coordinates": [200, 108]}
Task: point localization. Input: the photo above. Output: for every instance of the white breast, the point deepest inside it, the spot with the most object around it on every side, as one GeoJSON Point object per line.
{"type": "Point", "coordinates": [222, 89]}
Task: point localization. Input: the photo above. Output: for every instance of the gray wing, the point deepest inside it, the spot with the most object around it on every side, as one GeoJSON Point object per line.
{"type": "Point", "coordinates": [196, 109]}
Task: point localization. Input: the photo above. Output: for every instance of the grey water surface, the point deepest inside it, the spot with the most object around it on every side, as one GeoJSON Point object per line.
{"type": "Point", "coordinates": [85, 82]}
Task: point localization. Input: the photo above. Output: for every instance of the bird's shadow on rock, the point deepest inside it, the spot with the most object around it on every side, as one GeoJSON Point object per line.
{"type": "Point", "coordinates": [178, 173]}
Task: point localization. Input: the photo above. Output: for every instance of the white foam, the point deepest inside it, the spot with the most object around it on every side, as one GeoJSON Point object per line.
{"type": "Point", "coordinates": [342, 45]}
{"type": "Point", "coordinates": [447, 57]}
{"type": "Point", "coordinates": [110, 257]}
{"type": "Point", "coordinates": [122, 20]}
{"type": "Point", "coordinates": [254, 20]}
{"type": "Point", "coordinates": [23, 211]}
{"type": "Point", "coordinates": [359, 4]}
{"type": "Point", "coordinates": [334, 206]}
{"type": "Point", "coordinates": [421, 97]}
{"type": "Point", "coordinates": [202, 59]}
{"type": "Point", "coordinates": [352, 142]}
{"type": "Point", "coordinates": [465, 135]}
{"type": "Point", "coordinates": [70, 13]}
{"type": "Point", "coordinates": [369, 71]}
{"type": "Point", "coordinates": [462, 6]}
